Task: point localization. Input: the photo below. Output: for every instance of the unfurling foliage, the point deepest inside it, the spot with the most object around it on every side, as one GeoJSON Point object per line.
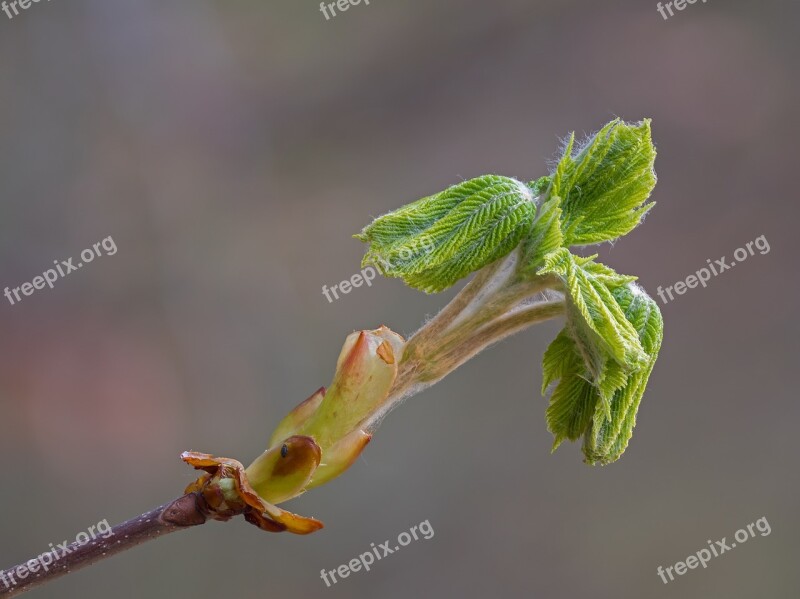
{"type": "Point", "coordinates": [597, 192]}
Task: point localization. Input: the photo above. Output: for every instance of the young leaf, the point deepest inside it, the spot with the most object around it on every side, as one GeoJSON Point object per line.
{"type": "Point", "coordinates": [545, 236]}
{"type": "Point", "coordinates": [572, 406]}
{"type": "Point", "coordinates": [593, 314]}
{"type": "Point", "coordinates": [573, 401]}
{"type": "Point", "coordinates": [603, 408]}
{"type": "Point", "coordinates": [575, 397]}
{"type": "Point", "coordinates": [561, 358]}
{"type": "Point", "coordinates": [604, 185]}
{"type": "Point", "coordinates": [609, 436]}
{"type": "Point", "coordinates": [435, 241]}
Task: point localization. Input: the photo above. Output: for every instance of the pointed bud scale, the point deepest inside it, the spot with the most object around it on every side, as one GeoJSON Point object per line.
{"type": "Point", "coordinates": [365, 372]}
{"type": "Point", "coordinates": [295, 419]}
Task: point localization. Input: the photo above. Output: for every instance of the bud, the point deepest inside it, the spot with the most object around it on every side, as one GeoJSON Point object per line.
{"type": "Point", "coordinates": [365, 372]}
{"type": "Point", "coordinates": [313, 444]}
{"type": "Point", "coordinates": [226, 492]}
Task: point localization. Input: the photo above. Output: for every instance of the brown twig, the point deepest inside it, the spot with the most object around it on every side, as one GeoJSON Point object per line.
{"type": "Point", "coordinates": [186, 511]}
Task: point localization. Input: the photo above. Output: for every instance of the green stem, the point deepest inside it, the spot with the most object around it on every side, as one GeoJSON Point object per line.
{"type": "Point", "coordinates": [461, 350]}
{"type": "Point", "coordinates": [439, 323]}
{"type": "Point", "coordinates": [490, 308]}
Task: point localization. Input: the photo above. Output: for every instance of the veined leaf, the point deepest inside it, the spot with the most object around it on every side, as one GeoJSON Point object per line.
{"type": "Point", "coordinates": [604, 185]}
{"type": "Point", "coordinates": [572, 406]}
{"type": "Point", "coordinates": [608, 437]}
{"type": "Point", "coordinates": [592, 310]}
{"type": "Point", "coordinates": [561, 358]}
{"type": "Point", "coordinates": [600, 408]}
{"type": "Point", "coordinates": [435, 241]}
{"type": "Point", "coordinates": [545, 236]}
{"type": "Point", "coordinates": [575, 397]}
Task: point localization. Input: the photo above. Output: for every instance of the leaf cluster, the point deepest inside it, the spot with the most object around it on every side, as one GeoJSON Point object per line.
{"type": "Point", "coordinates": [598, 191]}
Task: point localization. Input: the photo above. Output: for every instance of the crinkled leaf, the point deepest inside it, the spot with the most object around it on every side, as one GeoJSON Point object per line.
{"type": "Point", "coordinates": [571, 408]}
{"type": "Point", "coordinates": [560, 358]}
{"type": "Point", "coordinates": [609, 436]}
{"type": "Point", "coordinates": [602, 408]}
{"type": "Point", "coordinates": [592, 309]}
{"type": "Point", "coordinates": [575, 397]}
{"type": "Point", "coordinates": [612, 377]}
{"type": "Point", "coordinates": [545, 236]}
{"type": "Point", "coordinates": [605, 183]}
{"type": "Point", "coordinates": [435, 241]}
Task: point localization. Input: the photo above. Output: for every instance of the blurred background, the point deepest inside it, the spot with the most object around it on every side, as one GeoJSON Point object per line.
{"type": "Point", "coordinates": [232, 149]}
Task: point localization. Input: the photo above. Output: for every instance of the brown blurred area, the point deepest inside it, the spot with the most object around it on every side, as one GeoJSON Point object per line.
{"type": "Point", "coordinates": [232, 149]}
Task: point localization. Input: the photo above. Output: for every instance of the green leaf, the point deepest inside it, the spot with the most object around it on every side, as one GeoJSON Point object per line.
{"type": "Point", "coordinates": [573, 401]}
{"type": "Point", "coordinates": [605, 183]}
{"type": "Point", "coordinates": [435, 241]}
{"type": "Point", "coordinates": [612, 377]}
{"type": "Point", "coordinates": [561, 358]}
{"type": "Point", "coordinates": [545, 236]}
{"type": "Point", "coordinates": [597, 322]}
{"type": "Point", "coordinates": [609, 435]}
{"type": "Point", "coordinates": [601, 408]}
{"type": "Point", "coordinates": [572, 406]}
{"type": "Point", "coordinates": [575, 397]}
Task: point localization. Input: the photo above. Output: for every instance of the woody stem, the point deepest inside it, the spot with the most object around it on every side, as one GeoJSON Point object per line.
{"type": "Point", "coordinates": [184, 512]}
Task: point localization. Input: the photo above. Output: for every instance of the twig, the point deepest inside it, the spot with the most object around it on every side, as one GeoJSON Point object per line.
{"type": "Point", "coordinates": [186, 511]}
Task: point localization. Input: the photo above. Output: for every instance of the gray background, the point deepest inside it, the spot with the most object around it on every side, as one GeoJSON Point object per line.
{"type": "Point", "coordinates": [231, 149]}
